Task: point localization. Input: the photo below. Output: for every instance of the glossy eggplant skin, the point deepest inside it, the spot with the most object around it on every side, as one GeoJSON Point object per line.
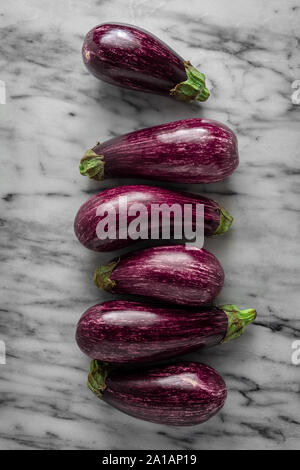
{"type": "Point", "coordinates": [185, 151]}
{"type": "Point", "coordinates": [178, 274]}
{"type": "Point", "coordinates": [86, 220]}
{"type": "Point", "coordinates": [183, 394]}
{"type": "Point", "coordinates": [133, 332]}
{"type": "Point", "coordinates": [130, 57]}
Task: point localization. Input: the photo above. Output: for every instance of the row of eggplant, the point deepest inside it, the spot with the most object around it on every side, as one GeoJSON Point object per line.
{"type": "Point", "coordinates": [121, 333]}
{"type": "Point", "coordinates": [176, 284]}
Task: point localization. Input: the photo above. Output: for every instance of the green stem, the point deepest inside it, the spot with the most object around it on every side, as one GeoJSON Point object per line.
{"type": "Point", "coordinates": [237, 320]}
{"type": "Point", "coordinates": [193, 88]}
{"type": "Point", "coordinates": [92, 165]}
{"type": "Point", "coordinates": [225, 221]}
{"type": "Point", "coordinates": [97, 377]}
{"type": "Point", "coordinates": [101, 276]}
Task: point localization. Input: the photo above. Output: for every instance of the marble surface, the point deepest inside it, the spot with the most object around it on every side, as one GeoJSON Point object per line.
{"type": "Point", "coordinates": [54, 111]}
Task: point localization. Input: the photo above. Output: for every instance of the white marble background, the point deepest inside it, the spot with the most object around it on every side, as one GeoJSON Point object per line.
{"type": "Point", "coordinates": [55, 110]}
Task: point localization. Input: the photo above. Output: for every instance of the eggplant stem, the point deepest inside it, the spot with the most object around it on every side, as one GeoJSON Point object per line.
{"type": "Point", "coordinates": [101, 275]}
{"type": "Point", "coordinates": [225, 221]}
{"type": "Point", "coordinates": [92, 165]}
{"type": "Point", "coordinates": [97, 377]}
{"type": "Point", "coordinates": [193, 88]}
{"type": "Point", "coordinates": [237, 320]}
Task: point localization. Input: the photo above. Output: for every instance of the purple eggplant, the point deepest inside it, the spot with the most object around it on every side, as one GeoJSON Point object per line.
{"type": "Point", "coordinates": [176, 273]}
{"type": "Point", "coordinates": [130, 57]}
{"type": "Point", "coordinates": [216, 219]}
{"type": "Point", "coordinates": [131, 332]}
{"type": "Point", "coordinates": [183, 394]}
{"type": "Point", "coordinates": [186, 151]}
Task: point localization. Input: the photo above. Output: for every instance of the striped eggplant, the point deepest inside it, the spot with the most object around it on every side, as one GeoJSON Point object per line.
{"type": "Point", "coordinates": [183, 394]}
{"type": "Point", "coordinates": [131, 332]}
{"type": "Point", "coordinates": [130, 57]}
{"type": "Point", "coordinates": [187, 151]}
{"type": "Point", "coordinates": [176, 273]}
{"type": "Point", "coordinates": [216, 219]}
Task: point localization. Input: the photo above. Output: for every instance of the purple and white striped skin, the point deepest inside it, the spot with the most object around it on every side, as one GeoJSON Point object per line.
{"type": "Point", "coordinates": [133, 58]}
{"type": "Point", "coordinates": [187, 151]}
{"type": "Point", "coordinates": [126, 332]}
{"type": "Point", "coordinates": [216, 218]}
{"type": "Point", "coordinates": [178, 274]}
{"type": "Point", "coordinates": [183, 394]}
